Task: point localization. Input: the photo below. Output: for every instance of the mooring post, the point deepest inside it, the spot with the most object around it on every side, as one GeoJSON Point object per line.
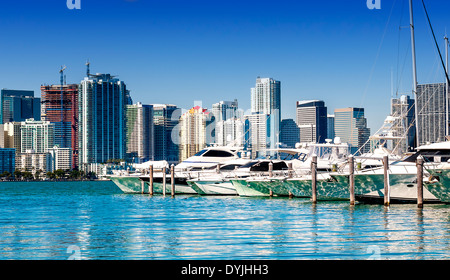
{"type": "Point", "coordinates": [387, 193]}
{"type": "Point", "coordinates": [218, 168]}
{"type": "Point", "coordinates": [164, 180]}
{"type": "Point", "coordinates": [172, 179]}
{"type": "Point", "coordinates": [419, 164]}
{"type": "Point", "coordinates": [270, 169]}
{"type": "Point", "coordinates": [314, 178]}
{"type": "Point", "coordinates": [142, 186]}
{"type": "Point", "coordinates": [150, 183]}
{"type": "Point", "coordinates": [351, 178]}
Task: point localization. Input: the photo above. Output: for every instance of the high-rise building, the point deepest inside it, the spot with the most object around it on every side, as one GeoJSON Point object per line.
{"type": "Point", "coordinates": [230, 132]}
{"type": "Point", "coordinates": [289, 133]}
{"type": "Point", "coordinates": [195, 131]}
{"type": "Point", "coordinates": [431, 109]}
{"type": "Point", "coordinates": [102, 101]}
{"type": "Point", "coordinates": [257, 132]}
{"type": "Point", "coordinates": [63, 112]}
{"type": "Point", "coordinates": [228, 123]}
{"type": "Point", "coordinates": [139, 132]}
{"type": "Point", "coordinates": [38, 136]}
{"type": "Point", "coordinates": [59, 159]}
{"type": "Point", "coordinates": [7, 160]}
{"type": "Point", "coordinates": [224, 110]}
{"type": "Point", "coordinates": [312, 121]}
{"type": "Point", "coordinates": [19, 105]}
{"type": "Point", "coordinates": [166, 131]}
{"type": "Point", "coordinates": [266, 99]}
{"type": "Point", "coordinates": [12, 136]}
{"type": "Point", "coordinates": [330, 126]}
{"type": "Point", "coordinates": [403, 112]}
{"type": "Point", "coordinates": [351, 126]}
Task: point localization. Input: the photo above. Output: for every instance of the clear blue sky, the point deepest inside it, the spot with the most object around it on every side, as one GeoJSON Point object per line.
{"type": "Point", "coordinates": [170, 51]}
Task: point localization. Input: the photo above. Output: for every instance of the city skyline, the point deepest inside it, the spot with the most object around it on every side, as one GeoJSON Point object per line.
{"type": "Point", "coordinates": [343, 54]}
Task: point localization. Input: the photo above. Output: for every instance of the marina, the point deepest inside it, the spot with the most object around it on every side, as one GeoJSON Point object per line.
{"type": "Point", "coordinates": [95, 220]}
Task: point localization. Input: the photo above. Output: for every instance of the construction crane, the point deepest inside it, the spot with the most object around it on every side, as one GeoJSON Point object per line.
{"type": "Point", "coordinates": [62, 103]}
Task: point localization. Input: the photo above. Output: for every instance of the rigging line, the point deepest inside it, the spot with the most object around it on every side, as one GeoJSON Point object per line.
{"type": "Point", "coordinates": [435, 41]}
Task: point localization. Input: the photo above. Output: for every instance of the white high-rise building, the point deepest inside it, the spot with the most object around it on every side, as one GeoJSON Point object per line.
{"type": "Point", "coordinates": [230, 132]}
{"type": "Point", "coordinates": [257, 132]}
{"type": "Point", "coordinates": [59, 159]}
{"type": "Point", "coordinates": [266, 99]}
{"type": "Point", "coordinates": [37, 135]}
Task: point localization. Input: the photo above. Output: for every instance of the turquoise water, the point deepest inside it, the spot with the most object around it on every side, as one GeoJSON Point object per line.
{"type": "Point", "coordinates": [94, 220]}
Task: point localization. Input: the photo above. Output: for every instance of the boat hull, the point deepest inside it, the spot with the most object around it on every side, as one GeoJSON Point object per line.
{"type": "Point", "coordinates": [128, 184]}
{"type": "Point", "coordinates": [205, 187]}
{"type": "Point", "coordinates": [243, 188]}
{"type": "Point", "coordinates": [439, 185]}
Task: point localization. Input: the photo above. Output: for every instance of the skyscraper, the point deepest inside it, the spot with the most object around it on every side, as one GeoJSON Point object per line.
{"type": "Point", "coordinates": [431, 108]}
{"type": "Point", "coordinates": [351, 126]}
{"type": "Point", "coordinates": [63, 112]}
{"type": "Point", "coordinates": [139, 132]}
{"type": "Point", "coordinates": [19, 105]}
{"type": "Point", "coordinates": [166, 119]}
{"type": "Point", "coordinates": [266, 99]}
{"type": "Point", "coordinates": [402, 109]}
{"type": "Point", "coordinates": [228, 123]}
{"type": "Point", "coordinates": [312, 121]}
{"type": "Point", "coordinates": [257, 133]}
{"type": "Point", "coordinates": [289, 133]}
{"type": "Point", "coordinates": [38, 136]}
{"type": "Point", "coordinates": [194, 131]}
{"type": "Point", "coordinates": [101, 125]}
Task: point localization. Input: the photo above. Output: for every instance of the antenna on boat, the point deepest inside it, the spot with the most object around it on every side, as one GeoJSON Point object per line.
{"type": "Point", "coordinates": [413, 53]}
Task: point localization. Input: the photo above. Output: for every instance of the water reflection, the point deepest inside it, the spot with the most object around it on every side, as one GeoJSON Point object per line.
{"type": "Point", "coordinates": [104, 224]}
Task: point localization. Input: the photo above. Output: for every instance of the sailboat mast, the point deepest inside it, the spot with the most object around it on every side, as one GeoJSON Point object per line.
{"type": "Point", "coordinates": [413, 52]}
{"type": "Point", "coordinates": [446, 87]}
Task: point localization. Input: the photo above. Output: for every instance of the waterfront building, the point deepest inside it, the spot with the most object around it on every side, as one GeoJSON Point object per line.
{"type": "Point", "coordinates": [257, 133]}
{"type": "Point", "coordinates": [12, 136]}
{"type": "Point", "coordinates": [351, 126]}
{"type": "Point", "coordinates": [312, 121]}
{"type": "Point", "coordinates": [59, 158]}
{"type": "Point", "coordinates": [19, 105]}
{"type": "Point", "coordinates": [194, 131]}
{"type": "Point", "coordinates": [266, 99]}
{"type": "Point", "coordinates": [32, 161]}
{"type": "Point", "coordinates": [330, 126]}
{"type": "Point", "coordinates": [139, 132]}
{"type": "Point", "coordinates": [166, 132]}
{"type": "Point", "coordinates": [230, 132]}
{"type": "Point", "coordinates": [289, 133]}
{"type": "Point", "coordinates": [38, 136]}
{"type": "Point", "coordinates": [224, 110]}
{"type": "Point", "coordinates": [102, 101]}
{"type": "Point", "coordinates": [403, 112]}
{"type": "Point", "coordinates": [7, 160]}
{"type": "Point", "coordinates": [432, 112]}
{"type": "Point", "coordinates": [59, 105]}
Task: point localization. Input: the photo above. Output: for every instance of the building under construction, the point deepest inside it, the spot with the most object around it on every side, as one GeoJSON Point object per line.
{"type": "Point", "coordinates": [60, 106]}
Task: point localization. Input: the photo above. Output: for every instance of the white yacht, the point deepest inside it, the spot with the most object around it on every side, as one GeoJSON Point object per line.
{"type": "Point", "coordinates": [204, 159]}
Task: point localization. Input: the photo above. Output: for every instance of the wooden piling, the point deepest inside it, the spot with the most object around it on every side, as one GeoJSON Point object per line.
{"type": "Point", "coordinates": [351, 178]}
{"type": "Point", "coordinates": [419, 164]}
{"type": "Point", "coordinates": [172, 180]}
{"type": "Point", "coordinates": [142, 186]}
{"type": "Point", "coordinates": [387, 193]}
{"type": "Point", "coordinates": [314, 178]}
{"type": "Point", "coordinates": [150, 183]}
{"type": "Point", "coordinates": [270, 169]}
{"type": "Point", "coordinates": [164, 180]}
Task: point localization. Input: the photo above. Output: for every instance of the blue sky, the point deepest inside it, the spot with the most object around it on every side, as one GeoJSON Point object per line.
{"type": "Point", "coordinates": [170, 51]}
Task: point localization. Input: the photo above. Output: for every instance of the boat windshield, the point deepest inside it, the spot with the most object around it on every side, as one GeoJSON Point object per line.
{"type": "Point", "coordinates": [200, 153]}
